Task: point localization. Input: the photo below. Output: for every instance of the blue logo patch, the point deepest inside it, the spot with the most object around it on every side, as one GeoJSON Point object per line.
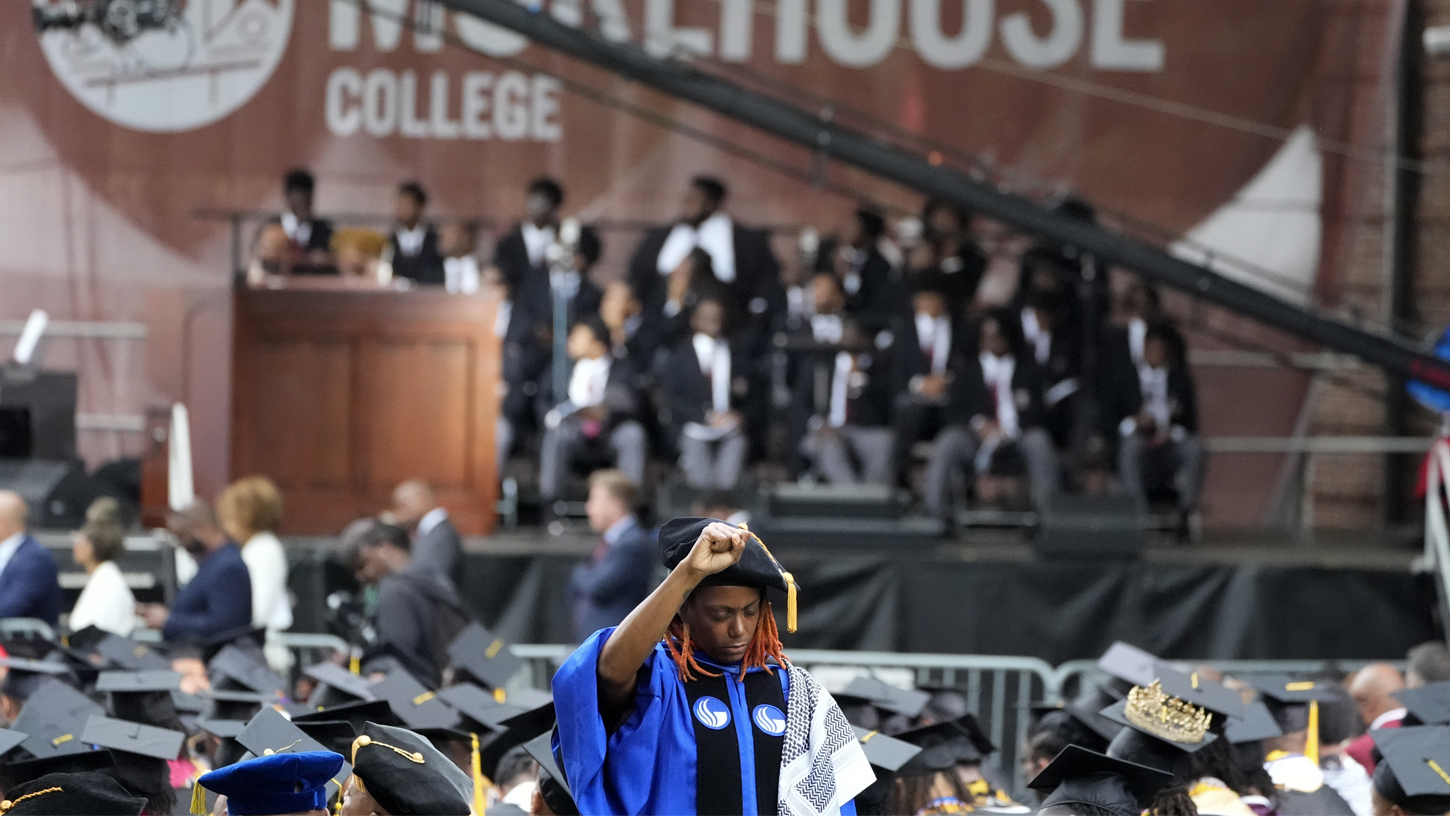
{"type": "Point", "coordinates": [712, 713]}
{"type": "Point", "coordinates": [769, 719]}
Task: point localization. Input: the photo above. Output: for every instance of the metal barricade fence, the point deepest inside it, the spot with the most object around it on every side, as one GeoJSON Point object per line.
{"type": "Point", "coordinates": [1069, 678]}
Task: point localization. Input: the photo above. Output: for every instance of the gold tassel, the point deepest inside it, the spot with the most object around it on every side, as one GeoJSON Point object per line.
{"type": "Point", "coordinates": [481, 783]}
{"type": "Point", "coordinates": [198, 799]}
{"type": "Point", "coordinates": [354, 664]}
{"type": "Point", "coordinates": [1311, 742]}
{"type": "Point", "coordinates": [790, 615]}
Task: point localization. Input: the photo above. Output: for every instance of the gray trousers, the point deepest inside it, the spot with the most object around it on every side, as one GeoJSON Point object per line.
{"type": "Point", "coordinates": [560, 445]}
{"type": "Point", "coordinates": [713, 465]}
{"type": "Point", "coordinates": [955, 452]}
{"type": "Point", "coordinates": [1142, 464]}
{"type": "Point", "coordinates": [837, 454]}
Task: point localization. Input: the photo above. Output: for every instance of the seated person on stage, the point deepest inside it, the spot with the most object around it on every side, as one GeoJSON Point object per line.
{"type": "Point", "coordinates": [1158, 423]}
{"type": "Point", "coordinates": [29, 586]}
{"type": "Point", "coordinates": [297, 242]}
{"type": "Point", "coordinates": [409, 600]}
{"type": "Point", "coordinates": [1055, 345]}
{"type": "Point", "coordinates": [929, 351]}
{"type": "Point", "coordinates": [871, 288]}
{"type": "Point", "coordinates": [849, 435]}
{"type": "Point", "coordinates": [413, 246]}
{"type": "Point", "coordinates": [692, 280]}
{"type": "Point", "coordinates": [994, 420]}
{"type": "Point", "coordinates": [106, 602]}
{"type": "Point", "coordinates": [218, 599]}
{"type": "Point", "coordinates": [601, 409]}
{"type": "Point", "coordinates": [708, 386]}
{"type": "Point", "coordinates": [686, 706]}
{"type": "Point", "coordinates": [947, 229]}
{"type": "Point", "coordinates": [629, 337]}
{"type": "Point", "coordinates": [457, 240]}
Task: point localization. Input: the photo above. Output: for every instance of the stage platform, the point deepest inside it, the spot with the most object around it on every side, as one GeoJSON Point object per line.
{"type": "Point", "coordinates": [1237, 595]}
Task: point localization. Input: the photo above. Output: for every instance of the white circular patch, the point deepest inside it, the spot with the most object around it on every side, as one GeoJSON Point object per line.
{"type": "Point", "coordinates": [769, 719]}
{"type": "Point", "coordinates": [163, 65]}
{"type": "Point", "coordinates": [712, 713]}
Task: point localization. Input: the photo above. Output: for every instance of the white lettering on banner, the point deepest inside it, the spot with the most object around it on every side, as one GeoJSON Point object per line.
{"type": "Point", "coordinates": [864, 50]}
{"type": "Point", "coordinates": [736, 17]}
{"type": "Point", "coordinates": [511, 106]}
{"type": "Point", "coordinates": [790, 31]}
{"type": "Point", "coordinates": [939, 51]}
{"type": "Point", "coordinates": [487, 38]}
{"type": "Point", "coordinates": [663, 39]}
{"type": "Point", "coordinates": [1057, 47]}
{"type": "Point", "coordinates": [1113, 53]}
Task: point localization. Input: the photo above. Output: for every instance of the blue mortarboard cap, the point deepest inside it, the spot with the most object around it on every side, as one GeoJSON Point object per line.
{"type": "Point", "coordinates": [280, 783]}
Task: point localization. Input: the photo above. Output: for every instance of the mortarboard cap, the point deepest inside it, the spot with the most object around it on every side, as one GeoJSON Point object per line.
{"type": "Point", "coordinates": [236, 669]}
{"type": "Point", "coordinates": [270, 733]}
{"type": "Point", "coordinates": [1415, 771]}
{"type": "Point", "coordinates": [413, 703]}
{"type": "Point", "coordinates": [247, 638]}
{"type": "Point", "coordinates": [943, 746]}
{"type": "Point", "coordinates": [407, 776]}
{"type": "Point", "coordinates": [484, 656]}
{"type": "Point", "coordinates": [1153, 713]}
{"type": "Point", "coordinates": [337, 686]}
{"type": "Point", "coordinates": [1255, 725]}
{"type": "Point", "coordinates": [133, 738]}
{"type": "Point", "coordinates": [225, 729]}
{"type": "Point", "coordinates": [358, 713]}
{"type": "Point", "coordinates": [528, 699]}
{"type": "Point", "coordinates": [517, 730]}
{"type": "Point", "coordinates": [553, 786]}
{"type": "Point", "coordinates": [1295, 705]}
{"type": "Point", "coordinates": [280, 783]}
{"type": "Point", "coordinates": [886, 754]}
{"type": "Point", "coordinates": [187, 702]}
{"type": "Point", "coordinates": [756, 568]}
{"type": "Point", "coordinates": [20, 772]}
{"type": "Point", "coordinates": [72, 794]}
{"type": "Point", "coordinates": [142, 696]}
{"type": "Point", "coordinates": [477, 706]}
{"type": "Point", "coordinates": [1426, 705]}
{"type": "Point", "coordinates": [138, 681]}
{"type": "Point", "coordinates": [1077, 776]}
{"type": "Point", "coordinates": [1086, 708]}
{"type": "Point", "coordinates": [127, 654]}
{"type": "Point", "coordinates": [1202, 692]}
{"type": "Point", "coordinates": [25, 675]}
{"type": "Point", "coordinates": [53, 717]}
{"type": "Point", "coordinates": [1130, 664]}
{"type": "Point", "coordinates": [907, 702]}
{"type": "Point", "coordinates": [234, 705]}
{"type": "Point", "coordinates": [335, 735]}
{"type": "Point", "coordinates": [10, 740]}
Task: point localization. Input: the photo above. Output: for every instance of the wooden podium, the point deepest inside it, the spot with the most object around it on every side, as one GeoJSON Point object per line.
{"type": "Point", "coordinates": [339, 393]}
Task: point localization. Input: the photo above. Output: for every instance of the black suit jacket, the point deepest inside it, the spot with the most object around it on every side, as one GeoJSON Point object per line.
{"type": "Point", "coordinates": [910, 361]}
{"type": "Point", "coordinates": [687, 390]}
{"type": "Point", "coordinates": [511, 256]}
{"type": "Point", "coordinates": [623, 399]}
{"type": "Point", "coordinates": [971, 396]}
{"type": "Point", "coordinates": [882, 294]}
{"type": "Point", "coordinates": [424, 268]}
{"type": "Point", "coordinates": [320, 240]}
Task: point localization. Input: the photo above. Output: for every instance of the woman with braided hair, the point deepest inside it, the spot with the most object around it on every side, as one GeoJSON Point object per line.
{"type": "Point", "coordinates": [690, 705]}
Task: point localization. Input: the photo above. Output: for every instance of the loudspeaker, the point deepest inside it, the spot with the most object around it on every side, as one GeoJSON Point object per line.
{"type": "Point", "coordinates": [57, 493]}
{"type": "Point", "coordinates": [1090, 527]}
{"type": "Point", "coordinates": [37, 414]}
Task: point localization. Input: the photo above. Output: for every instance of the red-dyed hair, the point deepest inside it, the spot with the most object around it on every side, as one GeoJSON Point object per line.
{"type": "Point", "coordinates": [765, 644]}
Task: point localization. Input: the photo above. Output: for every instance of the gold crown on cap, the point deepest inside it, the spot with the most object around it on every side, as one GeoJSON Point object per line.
{"type": "Point", "coordinates": [1165, 717]}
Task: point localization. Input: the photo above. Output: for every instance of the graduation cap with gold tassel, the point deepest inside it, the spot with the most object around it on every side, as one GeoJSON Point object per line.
{"type": "Point", "coordinates": [1294, 705]}
{"type": "Point", "coordinates": [757, 567]}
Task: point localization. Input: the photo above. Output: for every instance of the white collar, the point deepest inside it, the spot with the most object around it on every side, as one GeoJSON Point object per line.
{"type": "Point", "coordinates": [431, 519]}
{"type": "Point", "coordinates": [705, 346]}
{"type": "Point", "coordinates": [536, 241]}
{"type": "Point", "coordinates": [1388, 716]}
{"type": "Point", "coordinates": [715, 235]}
{"type": "Point", "coordinates": [617, 529]}
{"type": "Point", "coordinates": [10, 545]}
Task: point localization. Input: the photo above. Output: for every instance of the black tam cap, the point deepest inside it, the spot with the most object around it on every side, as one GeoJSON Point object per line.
{"type": "Point", "coordinates": [1415, 773]}
{"type": "Point", "coordinates": [71, 794]}
{"type": "Point", "coordinates": [407, 775]}
{"type": "Point", "coordinates": [757, 568]}
{"type": "Point", "coordinates": [1078, 776]}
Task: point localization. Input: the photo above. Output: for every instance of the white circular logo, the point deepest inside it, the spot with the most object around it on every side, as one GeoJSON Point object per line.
{"type": "Point", "coordinates": [163, 65]}
{"type": "Point", "coordinates": [712, 713]}
{"type": "Point", "coordinates": [769, 719]}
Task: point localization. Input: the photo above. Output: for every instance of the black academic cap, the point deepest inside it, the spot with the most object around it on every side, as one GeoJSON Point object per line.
{"type": "Point", "coordinates": [1202, 692]}
{"type": "Point", "coordinates": [553, 785]}
{"type": "Point", "coordinates": [133, 738]}
{"type": "Point", "coordinates": [1427, 705]}
{"type": "Point", "coordinates": [528, 699]}
{"type": "Point", "coordinates": [518, 729]}
{"type": "Point", "coordinates": [1077, 776]}
{"type": "Point", "coordinates": [407, 775]}
{"type": "Point", "coordinates": [235, 668]}
{"type": "Point", "coordinates": [335, 735]}
{"type": "Point", "coordinates": [1149, 724]}
{"type": "Point", "coordinates": [22, 771]}
{"type": "Point", "coordinates": [225, 729]}
{"type": "Point", "coordinates": [224, 704]}
{"type": "Point", "coordinates": [1130, 664]}
{"type": "Point", "coordinates": [476, 705]}
{"type": "Point", "coordinates": [143, 697]}
{"type": "Point", "coordinates": [270, 733]}
{"type": "Point", "coordinates": [484, 656]}
{"type": "Point", "coordinates": [1255, 725]}
{"type": "Point", "coordinates": [378, 711]}
{"type": "Point", "coordinates": [247, 638]}
{"type": "Point", "coordinates": [128, 654]}
{"type": "Point", "coordinates": [337, 685]}
{"type": "Point", "coordinates": [25, 675]}
{"type": "Point", "coordinates": [10, 739]}
{"type": "Point", "coordinates": [53, 717]}
{"type": "Point", "coordinates": [188, 703]}
{"type": "Point", "coordinates": [907, 702]}
{"type": "Point", "coordinates": [943, 746]}
{"type": "Point", "coordinates": [1086, 708]}
{"type": "Point", "coordinates": [1418, 774]}
{"type": "Point", "coordinates": [138, 681]}
{"type": "Point", "coordinates": [756, 568]}
{"type": "Point", "coordinates": [73, 794]}
{"type": "Point", "coordinates": [886, 754]}
{"type": "Point", "coordinates": [1288, 699]}
{"type": "Point", "coordinates": [413, 703]}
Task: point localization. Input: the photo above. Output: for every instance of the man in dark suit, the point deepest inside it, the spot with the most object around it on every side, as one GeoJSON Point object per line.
{"type": "Point", "coordinates": [707, 380]}
{"type": "Point", "coordinates": [930, 352]}
{"type": "Point", "coordinates": [436, 543]}
{"type": "Point", "coordinates": [304, 246]}
{"type": "Point", "coordinates": [411, 601]}
{"type": "Point", "coordinates": [620, 573]}
{"type": "Point", "coordinates": [413, 246]}
{"type": "Point", "coordinates": [29, 587]}
{"type": "Point", "coordinates": [218, 599]}
{"type": "Point", "coordinates": [994, 419]}
{"type": "Point", "coordinates": [873, 290]}
{"type": "Point", "coordinates": [522, 255]}
{"type": "Point", "coordinates": [740, 258]}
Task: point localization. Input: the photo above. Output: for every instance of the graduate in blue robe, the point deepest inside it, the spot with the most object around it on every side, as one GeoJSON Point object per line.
{"type": "Point", "coordinates": [684, 707]}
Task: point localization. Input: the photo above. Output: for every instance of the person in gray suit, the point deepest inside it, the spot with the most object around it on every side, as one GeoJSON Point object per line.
{"type": "Point", "coordinates": [437, 546]}
{"type": "Point", "coordinates": [621, 571]}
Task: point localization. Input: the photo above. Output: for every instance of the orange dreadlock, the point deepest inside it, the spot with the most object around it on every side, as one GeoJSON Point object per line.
{"type": "Point", "coordinates": [765, 644]}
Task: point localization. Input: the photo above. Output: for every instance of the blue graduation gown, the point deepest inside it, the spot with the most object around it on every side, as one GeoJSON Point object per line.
{"type": "Point", "coordinates": [647, 765]}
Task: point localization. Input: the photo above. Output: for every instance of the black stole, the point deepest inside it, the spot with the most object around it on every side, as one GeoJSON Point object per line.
{"type": "Point", "coordinates": [719, 782]}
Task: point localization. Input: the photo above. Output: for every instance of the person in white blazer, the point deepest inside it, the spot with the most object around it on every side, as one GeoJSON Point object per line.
{"type": "Point", "coordinates": [106, 601]}
{"type": "Point", "coordinates": [250, 510]}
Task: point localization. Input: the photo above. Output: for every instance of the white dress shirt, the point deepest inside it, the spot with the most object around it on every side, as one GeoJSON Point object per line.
{"type": "Point", "coordinates": [8, 548]}
{"type": "Point", "coordinates": [997, 373]}
{"type": "Point", "coordinates": [460, 275]}
{"type": "Point", "coordinates": [410, 241]}
{"type": "Point", "coordinates": [298, 231]}
{"type": "Point", "coordinates": [431, 519]}
{"type": "Point", "coordinates": [266, 562]}
{"type": "Point", "coordinates": [588, 381]}
{"type": "Point", "coordinates": [714, 357]}
{"type": "Point", "coordinates": [106, 602]}
{"type": "Point", "coordinates": [537, 241]}
{"type": "Point", "coordinates": [715, 235]}
{"type": "Point", "coordinates": [935, 335]}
